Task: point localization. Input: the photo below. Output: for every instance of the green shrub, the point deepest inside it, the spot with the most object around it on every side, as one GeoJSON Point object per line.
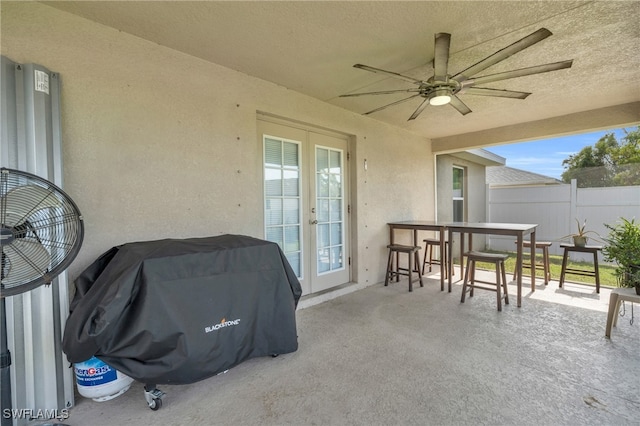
{"type": "Point", "coordinates": [623, 248]}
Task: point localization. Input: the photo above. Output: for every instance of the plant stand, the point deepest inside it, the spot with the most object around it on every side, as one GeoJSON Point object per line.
{"type": "Point", "coordinates": [587, 249]}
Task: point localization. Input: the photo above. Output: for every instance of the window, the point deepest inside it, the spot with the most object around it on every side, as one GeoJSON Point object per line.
{"type": "Point", "coordinates": [330, 205]}
{"type": "Point", "coordinates": [282, 198]}
{"type": "Point", "coordinates": [458, 194]}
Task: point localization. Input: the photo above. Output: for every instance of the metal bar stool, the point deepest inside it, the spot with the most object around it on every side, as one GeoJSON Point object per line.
{"type": "Point", "coordinates": [540, 266]}
{"type": "Point", "coordinates": [429, 255]}
{"type": "Point", "coordinates": [413, 257]}
{"type": "Point", "coordinates": [471, 283]}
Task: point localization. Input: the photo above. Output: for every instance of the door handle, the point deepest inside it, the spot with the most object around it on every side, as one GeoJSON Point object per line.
{"type": "Point", "coordinates": [313, 222]}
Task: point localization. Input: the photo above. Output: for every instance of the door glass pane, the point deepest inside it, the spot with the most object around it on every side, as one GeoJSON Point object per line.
{"type": "Point", "coordinates": [322, 160]}
{"type": "Point", "coordinates": [291, 182]}
{"type": "Point", "coordinates": [323, 235]}
{"type": "Point", "coordinates": [336, 210]}
{"type": "Point", "coordinates": [272, 152]}
{"type": "Point", "coordinates": [336, 233]}
{"type": "Point", "coordinates": [294, 260]}
{"type": "Point", "coordinates": [273, 211]}
{"type": "Point", "coordinates": [322, 184]}
{"type": "Point", "coordinates": [336, 257]}
{"type": "Point", "coordinates": [290, 155]}
{"type": "Point", "coordinates": [335, 186]}
{"type": "Point", "coordinates": [323, 210]}
{"type": "Point", "coordinates": [282, 208]}
{"type": "Point", "coordinates": [335, 161]}
{"type": "Point", "coordinates": [324, 264]}
{"type": "Point", "coordinates": [330, 205]}
{"type": "Point", "coordinates": [273, 182]}
{"type": "Point", "coordinates": [291, 211]}
{"type": "Point", "coordinates": [292, 239]}
{"type": "Point", "coordinates": [275, 235]}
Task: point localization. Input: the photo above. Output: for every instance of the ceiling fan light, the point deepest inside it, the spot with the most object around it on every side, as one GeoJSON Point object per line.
{"type": "Point", "coordinates": [440, 97]}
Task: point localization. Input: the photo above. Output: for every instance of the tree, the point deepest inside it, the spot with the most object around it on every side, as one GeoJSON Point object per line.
{"type": "Point", "coordinates": [606, 163]}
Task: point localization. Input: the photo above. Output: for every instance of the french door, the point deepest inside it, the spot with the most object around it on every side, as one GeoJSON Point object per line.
{"type": "Point", "coordinates": [306, 202]}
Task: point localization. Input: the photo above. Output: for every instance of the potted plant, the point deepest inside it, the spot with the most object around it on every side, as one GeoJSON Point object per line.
{"type": "Point", "coordinates": [581, 238]}
{"type": "Point", "coordinates": [623, 248]}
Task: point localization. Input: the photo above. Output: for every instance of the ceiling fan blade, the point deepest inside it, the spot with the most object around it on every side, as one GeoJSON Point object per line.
{"type": "Point", "coordinates": [389, 73]}
{"type": "Point", "coordinates": [384, 92]}
{"type": "Point", "coordinates": [24, 255]}
{"type": "Point", "coordinates": [503, 54]}
{"type": "Point", "coordinates": [484, 91]}
{"type": "Point", "coordinates": [23, 201]}
{"type": "Point", "coordinates": [459, 105]}
{"type": "Point", "coordinates": [441, 57]}
{"type": "Point", "coordinates": [391, 104]}
{"type": "Point", "coordinates": [538, 69]}
{"type": "Point", "coordinates": [419, 110]}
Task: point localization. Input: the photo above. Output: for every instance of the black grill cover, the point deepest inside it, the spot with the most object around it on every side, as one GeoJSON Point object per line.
{"type": "Point", "coordinates": [179, 311]}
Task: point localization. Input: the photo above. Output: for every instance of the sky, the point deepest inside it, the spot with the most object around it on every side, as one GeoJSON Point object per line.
{"type": "Point", "coordinates": [545, 156]}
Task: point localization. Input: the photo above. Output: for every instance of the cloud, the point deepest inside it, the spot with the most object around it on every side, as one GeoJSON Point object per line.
{"type": "Point", "coordinates": [524, 161]}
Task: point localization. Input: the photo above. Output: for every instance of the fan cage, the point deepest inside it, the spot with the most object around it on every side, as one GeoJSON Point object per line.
{"type": "Point", "coordinates": [42, 231]}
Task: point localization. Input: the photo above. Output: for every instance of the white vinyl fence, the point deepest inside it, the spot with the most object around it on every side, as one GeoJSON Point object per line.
{"type": "Point", "coordinates": [555, 209]}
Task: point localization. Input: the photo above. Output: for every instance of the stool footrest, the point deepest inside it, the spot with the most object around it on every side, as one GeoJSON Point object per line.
{"type": "Point", "coordinates": [482, 287]}
{"type": "Point", "coordinates": [402, 248]}
{"type": "Point", "coordinates": [579, 272]}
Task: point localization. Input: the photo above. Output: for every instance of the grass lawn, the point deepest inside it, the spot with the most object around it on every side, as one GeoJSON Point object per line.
{"type": "Point", "coordinates": [607, 276]}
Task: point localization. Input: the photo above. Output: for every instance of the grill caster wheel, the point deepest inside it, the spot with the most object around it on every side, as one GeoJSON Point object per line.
{"type": "Point", "coordinates": [153, 397]}
{"type": "Point", "coordinates": [156, 404]}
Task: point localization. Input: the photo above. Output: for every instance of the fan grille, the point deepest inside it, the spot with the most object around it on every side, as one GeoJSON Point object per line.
{"type": "Point", "coordinates": [41, 231]}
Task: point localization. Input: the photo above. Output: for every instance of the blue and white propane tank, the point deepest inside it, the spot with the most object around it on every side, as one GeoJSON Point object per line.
{"type": "Point", "coordinates": [100, 382]}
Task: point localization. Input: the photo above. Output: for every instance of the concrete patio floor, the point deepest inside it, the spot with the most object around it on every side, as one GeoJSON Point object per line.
{"type": "Point", "coordinates": [384, 356]}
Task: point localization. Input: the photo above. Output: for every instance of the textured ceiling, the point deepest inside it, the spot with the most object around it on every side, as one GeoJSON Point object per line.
{"type": "Point", "coordinates": [311, 47]}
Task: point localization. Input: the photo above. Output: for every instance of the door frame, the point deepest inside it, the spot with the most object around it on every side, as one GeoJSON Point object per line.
{"type": "Point", "coordinates": [307, 152]}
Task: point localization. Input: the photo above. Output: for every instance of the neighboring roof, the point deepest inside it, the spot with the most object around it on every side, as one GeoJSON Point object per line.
{"type": "Point", "coordinates": [508, 176]}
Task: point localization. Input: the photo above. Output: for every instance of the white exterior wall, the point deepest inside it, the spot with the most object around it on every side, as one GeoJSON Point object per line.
{"type": "Point", "coordinates": [555, 209]}
{"type": "Point", "coordinates": [159, 144]}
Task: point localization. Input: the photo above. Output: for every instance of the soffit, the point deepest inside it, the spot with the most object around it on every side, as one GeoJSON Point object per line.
{"type": "Point", "coordinates": [311, 47]}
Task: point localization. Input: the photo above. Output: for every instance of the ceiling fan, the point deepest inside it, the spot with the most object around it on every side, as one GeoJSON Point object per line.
{"type": "Point", "coordinates": [443, 88]}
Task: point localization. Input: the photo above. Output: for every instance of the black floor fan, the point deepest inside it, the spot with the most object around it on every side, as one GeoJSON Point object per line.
{"type": "Point", "coordinates": [41, 231]}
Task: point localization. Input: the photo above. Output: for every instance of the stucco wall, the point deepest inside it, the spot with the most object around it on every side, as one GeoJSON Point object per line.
{"type": "Point", "coordinates": [475, 194]}
{"type": "Point", "coordinates": [158, 144]}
